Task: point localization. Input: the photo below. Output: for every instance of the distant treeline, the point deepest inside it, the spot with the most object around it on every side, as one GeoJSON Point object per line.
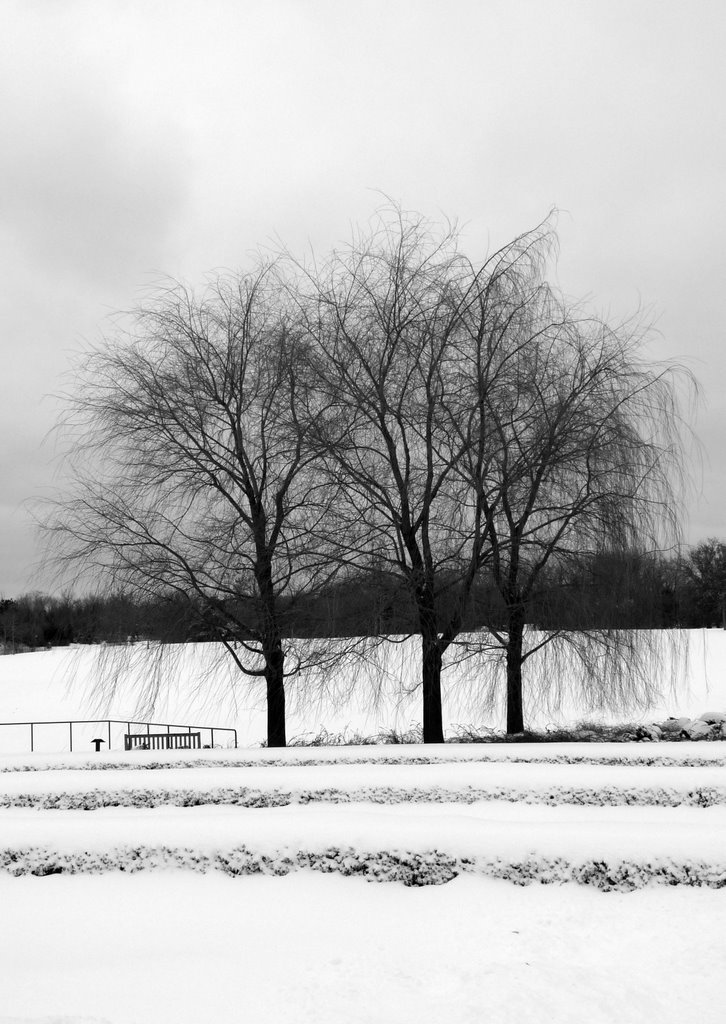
{"type": "Point", "coordinates": [606, 590]}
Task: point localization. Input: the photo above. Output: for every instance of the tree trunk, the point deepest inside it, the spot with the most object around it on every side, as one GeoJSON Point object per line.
{"type": "Point", "coordinates": [433, 727]}
{"type": "Point", "coordinates": [272, 651]}
{"type": "Point", "coordinates": [275, 679]}
{"type": "Point", "coordinates": [515, 635]}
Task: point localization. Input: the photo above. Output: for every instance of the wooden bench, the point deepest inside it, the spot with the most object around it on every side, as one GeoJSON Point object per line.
{"type": "Point", "coordinates": [162, 740]}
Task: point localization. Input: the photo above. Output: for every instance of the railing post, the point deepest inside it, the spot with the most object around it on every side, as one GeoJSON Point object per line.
{"type": "Point", "coordinates": [31, 737]}
{"type": "Point", "coordinates": [109, 734]}
{"type": "Point", "coordinates": [70, 730]}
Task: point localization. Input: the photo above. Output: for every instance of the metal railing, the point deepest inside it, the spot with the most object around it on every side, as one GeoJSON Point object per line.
{"type": "Point", "coordinates": [128, 723]}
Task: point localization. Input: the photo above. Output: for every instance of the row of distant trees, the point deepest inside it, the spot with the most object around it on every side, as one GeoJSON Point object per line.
{"type": "Point", "coordinates": [440, 443]}
{"type": "Point", "coordinates": [614, 590]}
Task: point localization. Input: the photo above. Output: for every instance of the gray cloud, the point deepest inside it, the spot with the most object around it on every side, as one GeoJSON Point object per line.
{"type": "Point", "coordinates": [85, 192]}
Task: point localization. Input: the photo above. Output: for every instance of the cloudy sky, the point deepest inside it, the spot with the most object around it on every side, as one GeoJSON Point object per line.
{"type": "Point", "coordinates": [141, 137]}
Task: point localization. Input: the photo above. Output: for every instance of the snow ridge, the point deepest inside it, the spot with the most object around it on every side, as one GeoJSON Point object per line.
{"type": "Point", "coordinates": [602, 796]}
{"type": "Point", "coordinates": [624, 760]}
{"type": "Point", "coordinates": [396, 821]}
{"type": "Point", "coordinates": [412, 869]}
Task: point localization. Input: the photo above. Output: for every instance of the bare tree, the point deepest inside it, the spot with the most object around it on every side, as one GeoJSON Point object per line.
{"type": "Point", "coordinates": [390, 323]}
{"type": "Point", "coordinates": [399, 410]}
{"type": "Point", "coordinates": [584, 455]}
{"type": "Point", "coordinates": [191, 473]}
{"type": "Point", "coordinates": [480, 424]}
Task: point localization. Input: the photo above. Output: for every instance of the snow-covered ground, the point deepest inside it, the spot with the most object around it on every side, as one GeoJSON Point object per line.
{"type": "Point", "coordinates": [453, 883]}
{"type": "Point", "coordinates": [197, 687]}
{"type": "Point", "coordinates": [175, 948]}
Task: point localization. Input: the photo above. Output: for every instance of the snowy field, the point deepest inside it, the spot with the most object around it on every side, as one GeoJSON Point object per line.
{"type": "Point", "coordinates": [327, 949]}
{"type": "Point", "coordinates": [195, 687]}
{"type": "Point", "coordinates": [453, 883]}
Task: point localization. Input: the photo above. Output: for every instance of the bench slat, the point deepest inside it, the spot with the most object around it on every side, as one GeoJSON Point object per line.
{"type": "Point", "coordinates": [162, 740]}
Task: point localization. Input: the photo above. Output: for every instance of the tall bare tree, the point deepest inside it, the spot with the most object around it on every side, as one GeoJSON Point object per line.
{"type": "Point", "coordinates": [398, 408]}
{"type": "Point", "coordinates": [191, 473]}
{"type": "Point", "coordinates": [584, 455]}
{"type": "Point", "coordinates": [394, 322]}
{"type": "Point", "coordinates": [477, 422]}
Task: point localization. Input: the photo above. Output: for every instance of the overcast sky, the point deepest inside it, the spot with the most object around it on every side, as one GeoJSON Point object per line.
{"type": "Point", "coordinates": [139, 138]}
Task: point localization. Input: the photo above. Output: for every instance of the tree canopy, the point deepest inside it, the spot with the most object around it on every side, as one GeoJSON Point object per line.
{"type": "Point", "coordinates": [396, 413]}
